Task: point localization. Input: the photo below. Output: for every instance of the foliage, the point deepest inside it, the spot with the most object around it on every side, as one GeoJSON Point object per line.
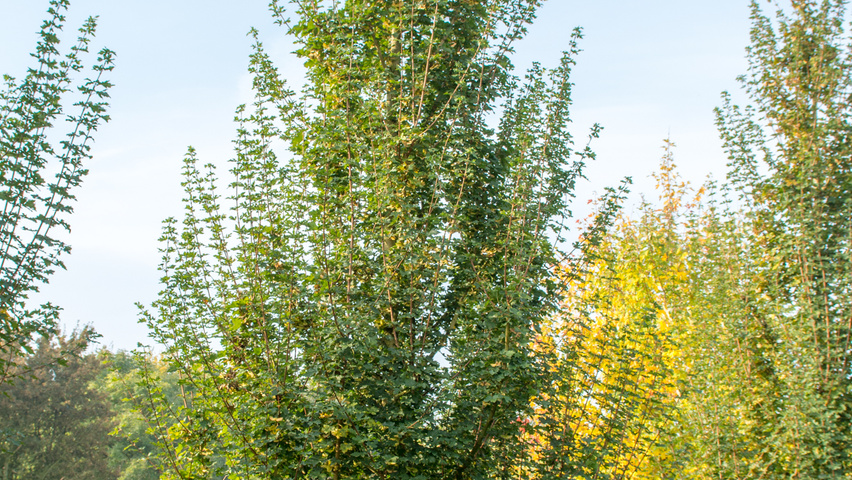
{"type": "Point", "coordinates": [616, 336]}
{"type": "Point", "coordinates": [791, 158]}
{"type": "Point", "coordinates": [34, 208]}
{"type": "Point", "coordinates": [754, 280]}
{"type": "Point", "coordinates": [76, 416]}
{"type": "Point", "coordinates": [133, 446]}
{"type": "Point", "coordinates": [370, 305]}
{"type": "Point", "coordinates": [618, 346]}
{"type": "Point", "coordinates": [681, 269]}
{"type": "Point", "coordinates": [52, 422]}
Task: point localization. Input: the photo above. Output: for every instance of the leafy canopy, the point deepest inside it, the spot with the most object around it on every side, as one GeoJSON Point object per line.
{"type": "Point", "coordinates": [369, 304]}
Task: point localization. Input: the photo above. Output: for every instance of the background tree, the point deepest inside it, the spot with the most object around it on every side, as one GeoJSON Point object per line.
{"type": "Point", "coordinates": [54, 424]}
{"type": "Point", "coordinates": [370, 309]}
{"type": "Point", "coordinates": [133, 448]}
{"type": "Point", "coordinates": [34, 207]}
{"type": "Point", "coordinates": [679, 278]}
{"type": "Point", "coordinates": [621, 343]}
{"type": "Point", "coordinates": [75, 420]}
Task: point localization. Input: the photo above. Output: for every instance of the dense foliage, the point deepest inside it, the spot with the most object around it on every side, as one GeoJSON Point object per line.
{"type": "Point", "coordinates": [388, 292]}
{"type": "Point", "coordinates": [791, 155]}
{"type": "Point", "coordinates": [72, 418]}
{"type": "Point", "coordinates": [753, 280]}
{"type": "Point", "coordinates": [34, 208]}
{"type": "Point", "coordinates": [51, 421]}
{"type": "Point", "coordinates": [371, 304]}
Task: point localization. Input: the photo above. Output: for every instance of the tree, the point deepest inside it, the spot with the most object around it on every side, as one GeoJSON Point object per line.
{"type": "Point", "coordinates": [369, 306]}
{"type": "Point", "coordinates": [790, 155]}
{"type": "Point", "coordinates": [35, 209]}
{"type": "Point", "coordinates": [622, 344]}
{"type": "Point", "coordinates": [680, 278]}
{"type": "Point", "coordinates": [762, 312]}
{"type": "Point", "coordinates": [53, 422]}
{"type": "Point", "coordinates": [133, 447]}
{"type": "Point", "coordinates": [77, 416]}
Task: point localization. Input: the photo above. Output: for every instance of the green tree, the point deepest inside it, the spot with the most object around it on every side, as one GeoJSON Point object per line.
{"type": "Point", "coordinates": [369, 306]}
{"type": "Point", "coordinates": [134, 447]}
{"type": "Point", "coordinates": [54, 424]}
{"type": "Point", "coordinates": [34, 208]}
{"type": "Point", "coordinates": [790, 156]}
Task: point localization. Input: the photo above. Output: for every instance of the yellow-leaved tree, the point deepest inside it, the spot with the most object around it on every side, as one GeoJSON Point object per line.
{"type": "Point", "coordinates": [651, 328]}
{"type": "Point", "coordinates": [616, 342]}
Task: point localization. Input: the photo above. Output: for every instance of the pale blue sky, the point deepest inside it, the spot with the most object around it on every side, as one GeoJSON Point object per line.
{"type": "Point", "coordinates": [650, 68]}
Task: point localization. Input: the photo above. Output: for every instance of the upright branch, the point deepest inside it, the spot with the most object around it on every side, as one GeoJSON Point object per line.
{"type": "Point", "coordinates": [35, 206]}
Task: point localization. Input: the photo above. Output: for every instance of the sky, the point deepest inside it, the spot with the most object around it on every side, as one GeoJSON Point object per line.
{"type": "Point", "coordinates": [649, 70]}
